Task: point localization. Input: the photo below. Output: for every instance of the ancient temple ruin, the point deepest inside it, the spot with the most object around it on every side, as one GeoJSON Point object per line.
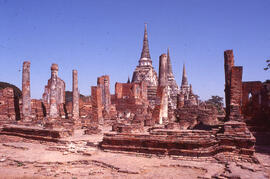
{"type": "Point", "coordinates": [150, 115]}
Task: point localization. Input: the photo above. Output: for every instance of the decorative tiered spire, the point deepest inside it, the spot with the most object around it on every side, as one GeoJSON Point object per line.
{"type": "Point", "coordinates": [184, 77]}
{"type": "Point", "coordinates": [169, 63]}
{"type": "Point", "coordinates": [145, 51]}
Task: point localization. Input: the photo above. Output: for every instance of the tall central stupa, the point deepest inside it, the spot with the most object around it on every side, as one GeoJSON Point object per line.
{"type": "Point", "coordinates": [145, 71]}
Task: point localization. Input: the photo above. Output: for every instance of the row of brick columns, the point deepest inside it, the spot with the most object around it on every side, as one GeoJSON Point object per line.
{"type": "Point", "coordinates": [53, 109]}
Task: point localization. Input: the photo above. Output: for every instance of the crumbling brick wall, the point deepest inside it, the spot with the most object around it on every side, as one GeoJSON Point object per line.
{"type": "Point", "coordinates": [245, 100]}
{"type": "Point", "coordinates": [255, 102]}
{"type": "Point", "coordinates": [37, 109]}
{"type": "Point", "coordinates": [130, 96]}
{"type": "Point", "coordinates": [9, 105]}
{"type": "Point", "coordinates": [251, 98]}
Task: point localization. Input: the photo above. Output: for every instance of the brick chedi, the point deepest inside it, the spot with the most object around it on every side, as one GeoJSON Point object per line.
{"type": "Point", "coordinates": [186, 95]}
{"type": "Point", "coordinates": [26, 98]}
{"type": "Point", "coordinates": [172, 85]}
{"type": "Point", "coordinates": [145, 71]}
{"type": "Point", "coordinates": [184, 85]}
{"type": "Point", "coordinates": [75, 95]}
{"type": "Point", "coordinates": [193, 99]}
{"type": "Point", "coordinates": [104, 83]}
{"type": "Point", "coordinates": [54, 93]}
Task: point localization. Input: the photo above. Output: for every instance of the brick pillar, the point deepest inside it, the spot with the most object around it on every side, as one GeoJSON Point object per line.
{"type": "Point", "coordinates": [118, 90]}
{"type": "Point", "coordinates": [26, 98]}
{"type": "Point", "coordinates": [235, 93]}
{"type": "Point", "coordinates": [104, 83]}
{"type": "Point", "coordinates": [96, 94]}
{"type": "Point", "coordinates": [233, 87]}
{"type": "Point", "coordinates": [228, 64]}
{"type": "Point", "coordinates": [53, 92]}
{"type": "Point", "coordinates": [163, 70]}
{"type": "Point", "coordinates": [161, 109]}
{"type": "Point", "coordinates": [75, 95]}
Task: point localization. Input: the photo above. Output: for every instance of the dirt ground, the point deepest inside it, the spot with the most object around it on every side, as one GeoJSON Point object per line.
{"type": "Point", "coordinates": [80, 157]}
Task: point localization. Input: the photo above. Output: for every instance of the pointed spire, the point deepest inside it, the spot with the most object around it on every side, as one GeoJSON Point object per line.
{"type": "Point", "coordinates": [145, 51]}
{"type": "Point", "coordinates": [184, 77]}
{"type": "Point", "coordinates": [169, 63]}
{"type": "Point", "coordinates": [128, 81]}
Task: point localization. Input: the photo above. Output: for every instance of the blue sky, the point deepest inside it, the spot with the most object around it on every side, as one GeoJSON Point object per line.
{"type": "Point", "coordinates": [99, 37]}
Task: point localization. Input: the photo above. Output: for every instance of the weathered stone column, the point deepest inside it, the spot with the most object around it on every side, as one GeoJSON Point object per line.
{"type": "Point", "coordinates": [53, 92]}
{"type": "Point", "coordinates": [26, 98]}
{"type": "Point", "coordinates": [163, 70]}
{"type": "Point", "coordinates": [75, 95]}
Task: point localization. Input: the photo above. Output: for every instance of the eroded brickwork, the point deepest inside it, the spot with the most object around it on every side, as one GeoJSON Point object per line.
{"type": "Point", "coordinates": [236, 93]}
{"type": "Point", "coordinates": [38, 110]}
{"type": "Point", "coordinates": [130, 96]}
{"type": "Point", "coordinates": [7, 105]}
{"type": "Point", "coordinates": [256, 104]}
{"type": "Point", "coordinates": [233, 87]}
{"type": "Point", "coordinates": [160, 113]}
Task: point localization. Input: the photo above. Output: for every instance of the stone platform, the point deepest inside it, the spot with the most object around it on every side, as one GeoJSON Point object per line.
{"type": "Point", "coordinates": [194, 143]}
{"type": "Point", "coordinates": [36, 133]}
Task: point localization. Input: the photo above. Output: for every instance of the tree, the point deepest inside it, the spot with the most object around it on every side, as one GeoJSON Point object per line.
{"type": "Point", "coordinates": [268, 65]}
{"type": "Point", "coordinates": [217, 102]}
